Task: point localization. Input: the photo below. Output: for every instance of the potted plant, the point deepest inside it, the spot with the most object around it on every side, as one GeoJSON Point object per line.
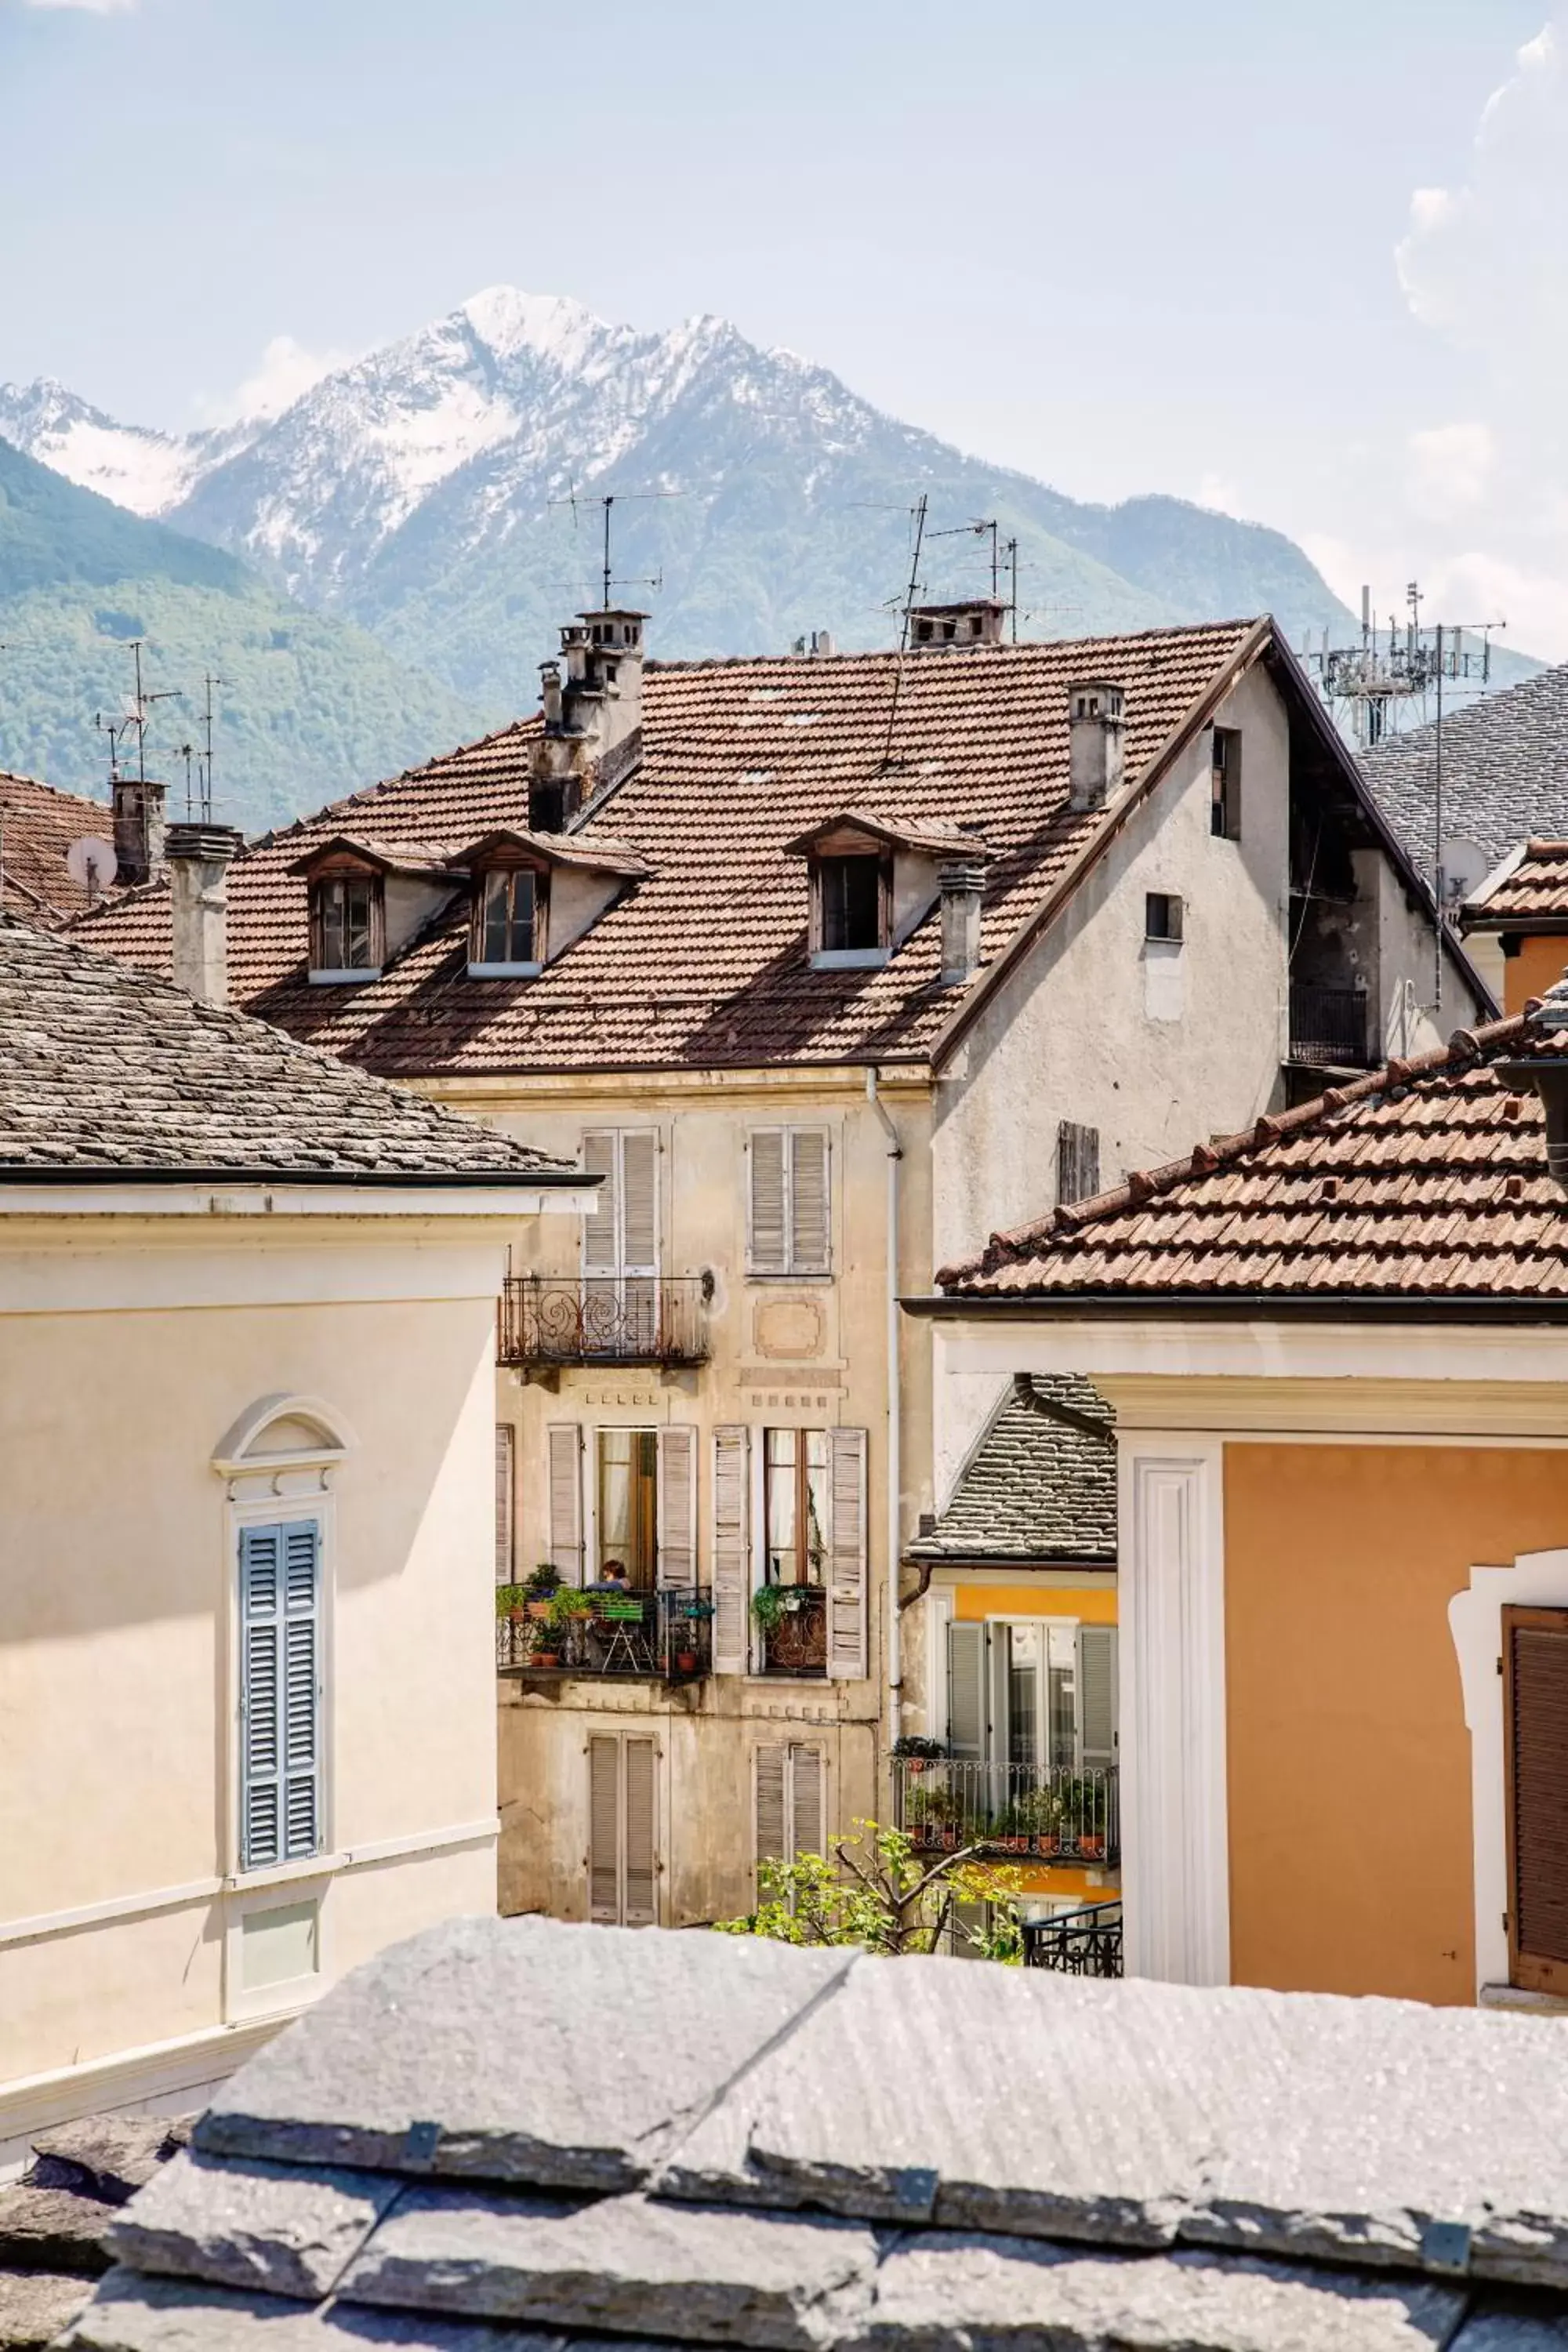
{"type": "Point", "coordinates": [542, 1587]}
{"type": "Point", "coordinates": [511, 1601]}
{"type": "Point", "coordinates": [918, 1753]}
{"type": "Point", "coordinates": [771, 1604]}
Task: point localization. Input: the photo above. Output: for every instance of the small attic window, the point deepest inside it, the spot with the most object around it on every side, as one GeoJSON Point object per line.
{"type": "Point", "coordinates": [348, 925]}
{"type": "Point", "coordinates": [853, 908]}
{"type": "Point", "coordinates": [507, 937]}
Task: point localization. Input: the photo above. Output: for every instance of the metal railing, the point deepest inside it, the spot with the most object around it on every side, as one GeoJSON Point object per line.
{"type": "Point", "coordinates": [641, 1319]}
{"type": "Point", "coordinates": [796, 1642]}
{"type": "Point", "coordinates": [1328, 1026]}
{"type": "Point", "coordinates": [651, 1636]}
{"type": "Point", "coordinates": [1086, 1943]}
{"type": "Point", "coordinates": [1023, 1811]}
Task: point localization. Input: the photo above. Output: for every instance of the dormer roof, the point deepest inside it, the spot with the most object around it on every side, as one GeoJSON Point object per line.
{"type": "Point", "coordinates": [423, 861]}
{"type": "Point", "coordinates": [926, 837]}
{"type": "Point", "coordinates": [593, 853]}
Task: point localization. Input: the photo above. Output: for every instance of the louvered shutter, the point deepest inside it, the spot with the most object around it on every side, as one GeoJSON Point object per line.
{"type": "Point", "coordinates": [810, 1248]}
{"type": "Point", "coordinates": [807, 1827]}
{"type": "Point", "coordinates": [565, 1442]}
{"type": "Point", "coordinates": [846, 1554]}
{"type": "Point", "coordinates": [506, 1491]}
{"type": "Point", "coordinates": [261, 1697]}
{"type": "Point", "coordinates": [1097, 1696]}
{"type": "Point", "coordinates": [639, 1234]}
{"type": "Point", "coordinates": [732, 1549]}
{"type": "Point", "coordinates": [604, 1829]}
{"type": "Point", "coordinates": [771, 1830]}
{"type": "Point", "coordinates": [966, 1692]}
{"type": "Point", "coordinates": [767, 1240]}
{"type": "Point", "coordinates": [678, 1506]}
{"type": "Point", "coordinates": [601, 1223]}
{"type": "Point", "coordinates": [639, 1906]}
{"type": "Point", "coordinates": [1535, 1720]}
{"type": "Point", "coordinates": [301, 1691]}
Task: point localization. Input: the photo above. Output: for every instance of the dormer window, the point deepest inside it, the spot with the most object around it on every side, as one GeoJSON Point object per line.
{"type": "Point", "coordinates": [852, 904]}
{"type": "Point", "coordinates": [347, 926]}
{"type": "Point", "coordinates": [508, 934]}
{"type": "Point", "coordinates": [873, 880]}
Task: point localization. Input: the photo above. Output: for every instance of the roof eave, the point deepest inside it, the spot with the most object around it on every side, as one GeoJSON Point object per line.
{"type": "Point", "coordinates": [1249, 1306]}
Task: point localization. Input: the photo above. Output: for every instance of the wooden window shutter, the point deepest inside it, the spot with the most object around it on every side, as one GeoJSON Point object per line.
{"type": "Point", "coordinates": [732, 1549]}
{"type": "Point", "coordinates": [846, 1572]}
{"type": "Point", "coordinates": [639, 1897]}
{"type": "Point", "coordinates": [787, 1801]}
{"type": "Point", "coordinates": [966, 1692]}
{"type": "Point", "coordinates": [1078, 1161]}
{"type": "Point", "coordinates": [604, 1830]}
{"type": "Point", "coordinates": [639, 1201]}
{"type": "Point", "coordinates": [770, 1827]}
{"type": "Point", "coordinates": [1535, 1740]}
{"type": "Point", "coordinates": [1097, 1706]}
{"type": "Point", "coordinates": [565, 1444]}
{"type": "Point", "coordinates": [301, 1691]}
{"type": "Point", "coordinates": [810, 1247]}
{"type": "Point", "coordinates": [506, 1498]}
{"type": "Point", "coordinates": [767, 1237]}
{"type": "Point", "coordinates": [601, 1223]}
{"type": "Point", "coordinates": [807, 1826]}
{"type": "Point", "coordinates": [280, 1694]}
{"type": "Point", "coordinates": [677, 1529]}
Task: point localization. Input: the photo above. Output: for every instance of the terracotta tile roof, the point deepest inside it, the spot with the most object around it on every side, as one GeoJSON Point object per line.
{"type": "Point", "coordinates": [1424, 1181]}
{"type": "Point", "coordinates": [1505, 771]}
{"type": "Point", "coordinates": [37, 826]}
{"type": "Point", "coordinates": [1531, 887]}
{"type": "Point", "coordinates": [107, 1071]}
{"type": "Point", "coordinates": [705, 962]}
{"type": "Point", "coordinates": [1039, 1486]}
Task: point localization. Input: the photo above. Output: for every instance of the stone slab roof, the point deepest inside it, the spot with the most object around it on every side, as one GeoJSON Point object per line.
{"type": "Point", "coordinates": [1039, 1486]}
{"type": "Point", "coordinates": [37, 826]}
{"type": "Point", "coordinates": [52, 2222]}
{"type": "Point", "coordinates": [705, 961]}
{"type": "Point", "coordinates": [517, 2132]}
{"type": "Point", "coordinates": [105, 1071]}
{"type": "Point", "coordinates": [1505, 771]}
{"type": "Point", "coordinates": [1531, 887]}
{"type": "Point", "coordinates": [1424, 1180]}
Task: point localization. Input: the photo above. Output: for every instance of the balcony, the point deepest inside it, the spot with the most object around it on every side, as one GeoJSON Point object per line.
{"type": "Point", "coordinates": [1086, 1943]}
{"type": "Point", "coordinates": [637, 1636]}
{"type": "Point", "coordinates": [640, 1319]}
{"type": "Point", "coordinates": [1015, 1812]}
{"type": "Point", "coordinates": [795, 1640]}
{"type": "Point", "coordinates": [1328, 1027]}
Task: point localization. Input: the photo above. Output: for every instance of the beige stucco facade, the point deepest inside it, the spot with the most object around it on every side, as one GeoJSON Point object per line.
{"type": "Point", "coordinates": [169, 1379]}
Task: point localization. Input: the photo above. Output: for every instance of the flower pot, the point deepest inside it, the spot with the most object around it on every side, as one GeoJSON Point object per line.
{"type": "Point", "coordinates": [1092, 1846]}
{"type": "Point", "coordinates": [546, 1658]}
{"type": "Point", "coordinates": [538, 1610]}
{"type": "Point", "coordinates": [916, 1763]}
{"type": "Point", "coordinates": [1050, 1842]}
{"type": "Point", "coordinates": [686, 1662]}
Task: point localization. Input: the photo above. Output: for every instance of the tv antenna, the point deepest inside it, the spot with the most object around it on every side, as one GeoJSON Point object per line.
{"type": "Point", "coordinates": [1003, 552]}
{"type": "Point", "coordinates": [918, 514]}
{"type": "Point", "coordinates": [131, 726]}
{"type": "Point", "coordinates": [610, 500]}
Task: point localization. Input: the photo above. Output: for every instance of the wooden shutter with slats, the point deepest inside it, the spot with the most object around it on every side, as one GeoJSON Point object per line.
{"type": "Point", "coordinates": [1097, 1696]}
{"type": "Point", "coordinates": [1078, 1161]}
{"type": "Point", "coordinates": [639, 1894]}
{"type": "Point", "coordinates": [604, 1830]}
{"type": "Point", "coordinates": [846, 1554]}
{"type": "Point", "coordinates": [787, 1792]}
{"type": "Point", "coordinates": [767, 1222]}
{"type": "Point", "coordinates": [1535, 1740]}
{"type": "Point", "coordinates": [640, 1200]}
{"type": "Point", "coordinates": [966, 1692]}
{"type": "Point", "coordinates": [601, 1225]}
{"type": "Point", "coordinates": [677, 1508]}
{"type": "Point", "coordinates": [810, 1249]}
{"type": "Point", "coordinates": [280, 1694]}
{"type": "Point", "coordinates": [623, 1858]}
{"type": "Point", "coordinates": [769, 1812]}
{"type": "Point", "coordinates": [732, 1549]}
{"type": "Point", "coordinates": [806, 1824]}
{"type": "Point", "coordinates": [506, 1495]}
{"type": "Point", "coordinates": [565, 1447]}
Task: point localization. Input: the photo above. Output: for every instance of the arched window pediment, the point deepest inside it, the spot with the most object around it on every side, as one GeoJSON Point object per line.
{"type": "Point", "coordinates": [283, 1432]}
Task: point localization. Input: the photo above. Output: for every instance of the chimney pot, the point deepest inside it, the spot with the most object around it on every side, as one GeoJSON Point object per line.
{"type": "Point", "coordinates": [138, 827]}
{"type": "Point", "coordinates": [1096, 728]}
{"type": "Point", "coordinates": [198, 856]}
{"type": "Point", "coordinates": [550, 693]}
{"type": "Point", "coordinates": [962, 882]}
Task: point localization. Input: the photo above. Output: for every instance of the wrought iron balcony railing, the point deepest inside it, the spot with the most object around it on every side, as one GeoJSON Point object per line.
{"type": "Point", "coordinates": [1086, 1943]}
{"type": "Point", "coordinates": [795, 1642]}
{"type": "Point", "coordinates": [1021, 1812]}
{"type": "Point", "coordinates": [664, 1636]}
{"type": "Point", "coordinates": [1328, 1027]}
{"type": "Point", "coordinates": [638, 1320]}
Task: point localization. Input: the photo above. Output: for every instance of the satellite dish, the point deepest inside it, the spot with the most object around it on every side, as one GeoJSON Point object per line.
{"type": "Point", "coordinates": [1465, 865]}
{"type": "Point", "coordinates": [92, 865]}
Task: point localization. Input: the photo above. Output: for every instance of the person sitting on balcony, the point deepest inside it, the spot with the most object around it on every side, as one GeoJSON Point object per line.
{"type": "Point", "coordinates": [613, 1577]}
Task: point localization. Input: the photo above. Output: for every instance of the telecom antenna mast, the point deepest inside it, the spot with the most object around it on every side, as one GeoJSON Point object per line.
{"type": "Point", "coordinates": [1368, 685]}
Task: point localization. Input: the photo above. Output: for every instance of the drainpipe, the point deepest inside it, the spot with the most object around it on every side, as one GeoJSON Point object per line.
{"type": "Point", "coordinates": [891, 1615]}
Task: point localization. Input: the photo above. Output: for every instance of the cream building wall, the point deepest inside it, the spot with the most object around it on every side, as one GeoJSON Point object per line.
{"type": "Point", "coordinates": [138, 1959]}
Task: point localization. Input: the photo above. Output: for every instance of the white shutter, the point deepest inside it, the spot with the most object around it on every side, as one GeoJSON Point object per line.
{"type": "Point", "coordinates": [506, 1492]}
{"type": "Point", "coordinates": [847, 1556]}
{"type": "Point", "coordinates": [787, 1802]}
{"type": "Point", "coordinates": [767, 1236]}
{"type": "Point", "coordinates": [810, 1249]}
{"type": "Point", "coordinates": [639, 1201]}
{"type": "Point", "coordinates": [806, 1824]}
{"type": "Point", "coordinates": [639, 1897]}
{"type": "Point", "coordinates": [966, 1692]}
{"type": "Point", "coordinates": [604, 1830]}
{"type": "Point", "coordinates": [732, 1549]}
{"type": "Point", "coordinates": [601, 1225]}
{"type": "Point", "coordinates": [676, 1502]}
{"type": "Point", "coordinates": [565, 1439]}
{"type": "Point", "coordinates": [770, 1827]}
{"type": "Point", "coordinates": [1095, 1695]}
{"type": "Point", "coordinates": [280, 1694]}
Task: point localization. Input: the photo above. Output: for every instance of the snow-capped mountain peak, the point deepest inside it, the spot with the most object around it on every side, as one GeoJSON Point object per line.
{"type": "Point", "coordinates": [549, 326]}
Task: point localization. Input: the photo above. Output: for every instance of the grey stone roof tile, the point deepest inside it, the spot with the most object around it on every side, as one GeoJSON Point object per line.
{"type": "Point", "coordinates": [1505, 771]}
{"type": "Point", "coordinates": [1037, 1487]}
{"type": "Point", "coordinates": [287, 2229]}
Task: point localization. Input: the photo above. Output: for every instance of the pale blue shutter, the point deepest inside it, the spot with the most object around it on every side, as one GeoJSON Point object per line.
{"type": "Point", "coordinates": [280, 1696]}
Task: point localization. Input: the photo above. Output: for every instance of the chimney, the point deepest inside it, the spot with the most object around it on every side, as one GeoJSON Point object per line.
{"type": "Point", "coordinates": [198, 857]}
{"type": "Point", "coordinates": [138, 828]}
{"type": "Point", "coordinates": [961, 881]}
{"type": "Point", "coordinates": [550, 694]}
{"type": "Point", "coordinates": [949, 628]}
{"type": "Point", "coordinates": [588, 714]}
{"type": "Point", "coordinates": [1095, 729]}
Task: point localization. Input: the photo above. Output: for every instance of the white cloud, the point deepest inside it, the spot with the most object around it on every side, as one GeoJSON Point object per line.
{"type": "Point", "coordinates": [286, 370]}
{"type": "Point", "coordinates": [1219, 492]}
{"type": "Point", "coordinates": [1450, 469]}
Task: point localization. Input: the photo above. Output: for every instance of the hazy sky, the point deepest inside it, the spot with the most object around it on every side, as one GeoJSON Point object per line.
{"type": "Point", "coordinates": [1308, 263]}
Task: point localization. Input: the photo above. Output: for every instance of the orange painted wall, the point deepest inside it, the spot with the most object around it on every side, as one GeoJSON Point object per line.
{"type": "Point", "coordinates": [1348, 1762]}
{"type": "Point", "coordinates": [1538, 965]}
{"type": "Point", "coordinates": [1090, 1605]}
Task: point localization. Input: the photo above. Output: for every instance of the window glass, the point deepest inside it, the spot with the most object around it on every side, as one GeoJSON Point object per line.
{"type": "Point", "coordinates": [629, 1503]}
{"type": "Point", "coordinates": [851, 902]}
{"type": "Point", "coordinates": [508, 927]}
{"type": "Point", "coordinates": [344, 911]}
{"type": "Point", "coordinates": [795, 1478]}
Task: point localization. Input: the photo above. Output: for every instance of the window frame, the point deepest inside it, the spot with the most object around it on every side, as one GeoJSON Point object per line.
{"type": "Point", "coordinates": [1175, 911]}
{"type": "Point", "coordinates": [1225, 783]}
{"type": "Point", "coordinates": [341, 877]}
{"type": "Point", "coordinates": [852, 958]}
{"type": "Point", "coordinates": [800, 1471]}
{"type": "Point", "coordinates": [506, 871]}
